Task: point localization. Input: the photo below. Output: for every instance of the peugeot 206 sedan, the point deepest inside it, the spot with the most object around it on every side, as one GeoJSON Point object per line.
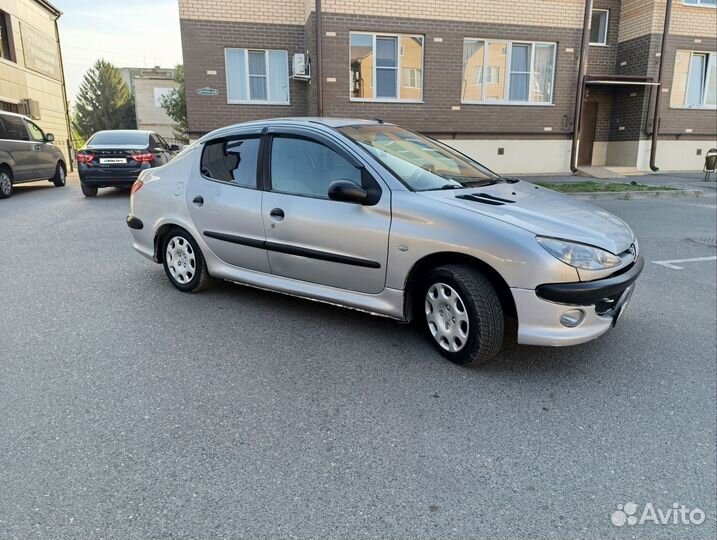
{"type": "Point", "coordinates": [371, 216]}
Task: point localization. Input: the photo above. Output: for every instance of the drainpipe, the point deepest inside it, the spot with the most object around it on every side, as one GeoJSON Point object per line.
{"type": "Point", "coordinates": [658, 97]}
{"type": "Point", "coordinates": [70, 165]}
{"type": "Point", "coordinates": [319, 60]}
{"type": "Point", "coordinates": [582, 68]}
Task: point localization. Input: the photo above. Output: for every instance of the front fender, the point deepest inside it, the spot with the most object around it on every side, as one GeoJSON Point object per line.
{"type": "Point", "coordinates": [420, 228]}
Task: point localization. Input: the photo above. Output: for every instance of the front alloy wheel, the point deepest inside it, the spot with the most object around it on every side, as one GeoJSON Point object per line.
{"type": "Point", "coordinates": [447, 317]}
{"type": "Point", "coordinates": [463, 314]}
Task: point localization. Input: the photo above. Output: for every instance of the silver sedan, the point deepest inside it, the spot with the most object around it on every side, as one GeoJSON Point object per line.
{"type": "Point", "coordinates": [373, 217]}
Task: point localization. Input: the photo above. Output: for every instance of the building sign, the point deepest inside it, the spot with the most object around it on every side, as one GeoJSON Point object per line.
{"type": "Point", "coordinates": [40, 52]}
{"type": "Point", "coordinates": [206, 91]}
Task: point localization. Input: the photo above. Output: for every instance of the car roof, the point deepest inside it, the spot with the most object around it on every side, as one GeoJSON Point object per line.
{"type": "Point", "coordinates": [306, 121]}
{"type": "Point", "coordinates": [124, 131]}
{"type": "Point", "coordinates": [8, 113]}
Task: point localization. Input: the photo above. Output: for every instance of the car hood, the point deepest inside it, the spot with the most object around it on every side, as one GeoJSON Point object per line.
{"type": "Point", "coordinates": [543, 212]}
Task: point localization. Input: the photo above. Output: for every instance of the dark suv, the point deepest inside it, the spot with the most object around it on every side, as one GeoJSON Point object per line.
{"type": "Point", "coordinates": [26, 154]}
{"type": "Point", "coordinates": [115, 158]}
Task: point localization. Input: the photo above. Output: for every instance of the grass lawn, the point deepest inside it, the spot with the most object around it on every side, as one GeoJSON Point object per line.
{"type": "Point", "coordinates": [590, 187]}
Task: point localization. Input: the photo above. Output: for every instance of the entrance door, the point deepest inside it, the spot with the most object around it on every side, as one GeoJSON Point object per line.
{"type": "Point", "coordinates": [587, 133]}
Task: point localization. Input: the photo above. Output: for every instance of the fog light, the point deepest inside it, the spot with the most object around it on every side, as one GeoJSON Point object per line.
{"type": "Point", "coordinates": [572, 318]}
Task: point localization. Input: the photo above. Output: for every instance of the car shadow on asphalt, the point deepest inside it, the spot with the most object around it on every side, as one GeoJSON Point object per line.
{"type": "Point", "coordinates": [513, 360]}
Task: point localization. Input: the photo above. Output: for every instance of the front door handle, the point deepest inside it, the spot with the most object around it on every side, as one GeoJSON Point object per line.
{"type": "Point", "coordinates": [198, 200]}
{"type": "Point", "coordinates": [277, 214]}
{"type": "Point", "coordinates": [37, 147]}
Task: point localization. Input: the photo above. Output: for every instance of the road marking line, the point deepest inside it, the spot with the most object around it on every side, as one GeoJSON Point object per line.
{"type": "Point", "coordinates": [671, 264]}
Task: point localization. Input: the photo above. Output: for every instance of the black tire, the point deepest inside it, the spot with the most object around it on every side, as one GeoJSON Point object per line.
{"type": "Point", "coordinates": [192, 275]}
{"type": "Point", "coordinates": [88, 191]}
{"type": "Point", "coordinates": [5, 182]}
{"type": "Point", "coordinates": [482, 317]}
{"type": "Point", "coordinates": [60, 178]}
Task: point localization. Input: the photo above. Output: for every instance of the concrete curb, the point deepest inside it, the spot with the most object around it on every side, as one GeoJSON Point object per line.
{"type": "Point", "coordinates": [637, 195]}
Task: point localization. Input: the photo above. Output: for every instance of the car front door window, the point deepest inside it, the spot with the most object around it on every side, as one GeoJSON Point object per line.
{"type": "Point", "coordinates": [35, 132]}
{"type": "Point", "coordinates": [303, 167]}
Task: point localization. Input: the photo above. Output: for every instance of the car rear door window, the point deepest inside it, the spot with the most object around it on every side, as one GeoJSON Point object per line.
{"type": "Point", "coordinates": [232, 160]}
{"type": "Point", "coordinates": [16, 129]}
{"type": "Point", "coordinates": [3, 131]}
{"type": "Point", "coordinates": [304, 167]}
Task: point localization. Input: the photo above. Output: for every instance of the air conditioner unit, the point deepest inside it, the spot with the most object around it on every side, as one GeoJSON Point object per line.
{"type": "Point", "coordinates": [31, 108]}
{"type": "Point", "coordinates": [300, 67]}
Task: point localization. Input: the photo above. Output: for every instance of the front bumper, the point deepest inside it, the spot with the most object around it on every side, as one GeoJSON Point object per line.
{"type": "Point", "coordinates": [602, 301]}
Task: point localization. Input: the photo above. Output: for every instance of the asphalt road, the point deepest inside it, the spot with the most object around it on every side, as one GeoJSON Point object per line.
{"type": "Point", "coordinates": [131, 410]}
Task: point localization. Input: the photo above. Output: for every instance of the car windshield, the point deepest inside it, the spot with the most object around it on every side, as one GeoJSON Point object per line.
{"type": "Point", "coordinates": [120, 137]}
{"type": "Point", "coordinates": [419, 162]}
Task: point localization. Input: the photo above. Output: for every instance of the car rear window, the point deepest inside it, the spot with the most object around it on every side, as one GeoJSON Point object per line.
{"type": "Point", "coordinates": [119, 137]}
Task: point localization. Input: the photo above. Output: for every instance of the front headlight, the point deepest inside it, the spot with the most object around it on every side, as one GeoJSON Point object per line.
{"type": "Point", "coordinates": [580, 256]}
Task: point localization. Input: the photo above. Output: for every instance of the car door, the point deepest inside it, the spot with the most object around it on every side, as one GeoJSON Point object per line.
{"type": "Point", "coordinates": [44, 158]}
{"type": "Point", "coordinates": [225, 203]}
{"type": "Point", "coordinates": [312, 238]}
{"type": "Point", "coordinates": [17, 143]}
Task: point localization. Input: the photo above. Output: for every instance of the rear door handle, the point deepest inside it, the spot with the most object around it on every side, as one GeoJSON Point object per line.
{"type": "Point", "coordinates": [198, 200]}
{"type": "Point", "coordinates": [277, 214]}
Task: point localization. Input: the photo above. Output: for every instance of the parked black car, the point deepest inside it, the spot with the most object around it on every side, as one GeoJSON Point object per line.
{"type": "Point", "coordinates": [26, 154]}
{"type": "Point", "coordinates": [115, 158]}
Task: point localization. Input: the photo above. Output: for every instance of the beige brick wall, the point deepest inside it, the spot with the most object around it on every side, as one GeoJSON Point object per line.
{"type": "Point", "coordinates": [556, 13]}
{"type": "Point", "coordinates": [693, 20]}
{"type": "Point", "coordinates": [641, 17]}
{"type": "Point", "coordinates": [259, 11]}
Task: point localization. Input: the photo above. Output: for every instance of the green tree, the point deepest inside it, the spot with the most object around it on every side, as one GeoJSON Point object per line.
{"type": "Point", "coordinates": [103, 102]}
{"type": "Point", "coordinates": [175, 105]}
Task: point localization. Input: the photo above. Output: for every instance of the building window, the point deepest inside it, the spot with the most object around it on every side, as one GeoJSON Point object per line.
{"type": "Point", "coordinates": [598, 26]}
{"type": "Point", "coordinates": [160, 93]}
{"type": "Point", "coordinates": [386, 67]}
{"type": "Point", "coordinates": [508, 72]}
{"type": "Point", "coordinates": [694, 84]}
{"type": "Point", "coordinates": [707, 3]}
{"type": "Point", "coordinates": [5, 25]}
{"type": "Point", "coordinates": [257, 76]}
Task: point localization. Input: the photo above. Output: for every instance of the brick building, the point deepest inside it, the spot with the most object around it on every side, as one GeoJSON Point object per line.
{"type": "Point", "coordinates": [496, 80]}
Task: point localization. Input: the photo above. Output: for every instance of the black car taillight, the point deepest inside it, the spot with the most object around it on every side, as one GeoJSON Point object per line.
{"type": "Point", "coordinates": [84, 158]}
{"type": "Point", "coordinates": [143, 157]}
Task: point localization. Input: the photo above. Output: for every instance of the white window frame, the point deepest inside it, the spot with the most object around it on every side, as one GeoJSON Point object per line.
{"type": "Point", "coordinates": [607, 27]}
{"type": "Point", "coordinates": [508, 43]}
{"type": "Point", "coordinates": [399, 66]}
{"type": "Point", "coordinates": [248, 77]}
{"type": "Point", "coordinates": [698, 3]}
{"type": "Point", "coordinates": [711, 56]}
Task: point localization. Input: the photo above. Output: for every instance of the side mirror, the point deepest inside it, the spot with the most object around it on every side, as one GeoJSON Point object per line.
{"type": "Point", "coordinates": [49, 137]}
{"type": "Point", "coordinates": [174, 147]}
{"type": "Point", "coordinates": [347, 191]}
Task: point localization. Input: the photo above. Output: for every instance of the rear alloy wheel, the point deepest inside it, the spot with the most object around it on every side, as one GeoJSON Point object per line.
{"type": "Point", "coordinates": [60, 178]}
{"type": "Point", "coordinates": [88, 191]}
{"type": "Point", "coordinates": [463, 314]}
{"type": "Point", "coordinates": [5, 183]}
{"type": "Point", "coordinates": [184, 263]}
